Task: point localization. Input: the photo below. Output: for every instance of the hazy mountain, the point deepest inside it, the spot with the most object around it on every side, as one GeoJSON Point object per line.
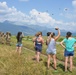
{"type": "Point", "coordinates": [27, 29]}
{"type": "Point", "coordinates": [7, 26]}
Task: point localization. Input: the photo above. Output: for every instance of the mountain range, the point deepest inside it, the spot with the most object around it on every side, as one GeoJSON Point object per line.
{"type": "Point", "coordinates": [26, 29]}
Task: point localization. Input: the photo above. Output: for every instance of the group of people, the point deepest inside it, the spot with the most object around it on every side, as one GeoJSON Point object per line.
{"type": "Point", "coordinates": [5, 38]}
{"type": "Point", "coordinates": [67, 44]}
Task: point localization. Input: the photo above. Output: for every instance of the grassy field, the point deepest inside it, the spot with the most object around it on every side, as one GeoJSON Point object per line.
{"type": "Point", "coordinates": [13, 64]}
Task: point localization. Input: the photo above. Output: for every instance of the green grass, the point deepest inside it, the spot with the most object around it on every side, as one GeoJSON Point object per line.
{"type": "Point", "coordinates": [60, 51]}
{"type": "Point", "coordinates": [13, 64]}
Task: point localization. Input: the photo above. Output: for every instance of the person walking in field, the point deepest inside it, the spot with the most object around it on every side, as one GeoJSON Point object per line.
{"type": "Point", "coordinates": [51, 49]}
{"type": "Point", "coordinates": [38, 41]}
{"type": "Point", "coordinates": [19, 42]}
{"type": "Point", "coordinates": [68, 45]}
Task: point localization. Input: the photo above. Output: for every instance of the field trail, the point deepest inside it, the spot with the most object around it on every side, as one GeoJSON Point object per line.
{"type": "Point", "coordinates": [58, 61]}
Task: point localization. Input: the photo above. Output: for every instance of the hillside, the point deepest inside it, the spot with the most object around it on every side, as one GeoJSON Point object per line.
{"type": "Point", "coordinates": [27, 29]}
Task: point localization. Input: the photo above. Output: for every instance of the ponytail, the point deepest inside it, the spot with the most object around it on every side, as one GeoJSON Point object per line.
{"type": "Point", "coordinates": [68, 34]}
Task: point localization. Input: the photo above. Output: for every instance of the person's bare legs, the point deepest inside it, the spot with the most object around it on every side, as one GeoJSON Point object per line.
{"type": "Point", "coordinates": [54, 59]}
{"type": "Point", "coordinates": [20, 50]}
{"type": "Point", "coordinates": [66, 63]}
{"type": "Point", "coordinates": [38, 56]}
{"type": "Point", "coordinates": [17, 49]}
{"type": "Point", "coordinates": [48, 61]}
{"type": "Point", "coordinates": [71, 62]}
{"type": "Point", "coordinates": [35, 55]}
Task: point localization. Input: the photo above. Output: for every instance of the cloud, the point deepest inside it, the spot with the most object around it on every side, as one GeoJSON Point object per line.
{"type": "Point", "coordinates": [68, 13]}
{"type": "Point", "coordinates": [69, 16]}
{"type": "Point", "coordinates": [3, 5]}
{"type": "Point", "coordinates": [70, 26]}
{"type": "Point", "coordinates": [34, 17]}
{"type": "Point", "coordinates": [41, 17]}
{"type": "Point", "coordinates": [10, 14]}
{"type": "Point", "coordinates": [74, 3]}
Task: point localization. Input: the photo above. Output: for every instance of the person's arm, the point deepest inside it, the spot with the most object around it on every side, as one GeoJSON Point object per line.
{"type": "Point", "coordinates": [75, 44]}
{"type": "Point", "coordinates": [47, 41]}
{"type": "Point", "coordinates": [58, 33]}
{"type": "Point", "coordinates": [34, 44]}
{"type": "Point", "coordinates": [42, 41]}
{"type": "Point", "coordinates": [61, 43]}
{"type": "Point", "coordinates": [34, 40]}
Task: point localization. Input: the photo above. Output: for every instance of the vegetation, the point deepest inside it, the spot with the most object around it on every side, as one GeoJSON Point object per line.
{"type": "Point", "coordinates": [60, 51]}
{"type": "Point", "coordinates": [13, 64]}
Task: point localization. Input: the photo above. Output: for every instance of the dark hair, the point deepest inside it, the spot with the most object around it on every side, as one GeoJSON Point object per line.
{"type": "Point", "coordinates": [53, 34]}
{"type": "Point", "coordinates": [48, 33]}
{"type": "Point", "coordinates": [68, 34]}
{"type": "Point", "coordinates": [18, 35]}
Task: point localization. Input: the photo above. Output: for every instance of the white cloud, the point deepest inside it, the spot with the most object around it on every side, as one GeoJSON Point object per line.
{"type": "Point", "coordinates": [70, 14]}
{"type": "Point", "coordinates": [41, 17]}
{"type": "Point", "coordinates": [70, 26]}
{"type": "Point", "coordinates": [74, 3]}
{"type": "Point", "coordinates": [3, 5]}
{"type": "Point", "coordinates": [35, 17]}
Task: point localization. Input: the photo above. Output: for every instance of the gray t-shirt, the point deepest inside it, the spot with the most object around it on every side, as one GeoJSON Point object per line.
{"type": "Point", "coordinates": [51, 46]}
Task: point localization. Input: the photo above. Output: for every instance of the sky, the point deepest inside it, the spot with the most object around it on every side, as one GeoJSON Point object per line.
{"type": "Point", "coordinates": [50, 13]}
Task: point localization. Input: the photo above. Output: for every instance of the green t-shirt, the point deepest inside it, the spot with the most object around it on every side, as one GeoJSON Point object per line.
{"type": "Point", "coordinates": [69, 43]}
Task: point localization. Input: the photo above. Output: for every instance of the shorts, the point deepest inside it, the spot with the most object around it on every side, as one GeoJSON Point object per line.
{"type": "Point", "coordinates": [19, 45]}
{"type": "Point", "coordinates": [68, 53]}
{"type": "Point", "coordinates": [38, 48]}
{"type": "Point", "coordinates": [51, 51]}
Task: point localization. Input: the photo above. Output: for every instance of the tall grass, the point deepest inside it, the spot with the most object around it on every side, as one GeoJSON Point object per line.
{"type": "Point", "coordinates": [60, 51]}
{"type": "Point", "coordinates": [13, 64]}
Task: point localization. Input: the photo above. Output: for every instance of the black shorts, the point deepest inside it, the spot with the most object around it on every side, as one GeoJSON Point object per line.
{"type": "Point", "coordinates": [38, 48]}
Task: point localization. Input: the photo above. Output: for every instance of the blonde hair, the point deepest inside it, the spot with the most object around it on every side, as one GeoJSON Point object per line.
{"type": "Point", "coordinates": [38, 33]}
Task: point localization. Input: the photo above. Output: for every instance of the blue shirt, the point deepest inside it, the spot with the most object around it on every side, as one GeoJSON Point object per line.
{"type": "Point", "coordinates": [69, 43]}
